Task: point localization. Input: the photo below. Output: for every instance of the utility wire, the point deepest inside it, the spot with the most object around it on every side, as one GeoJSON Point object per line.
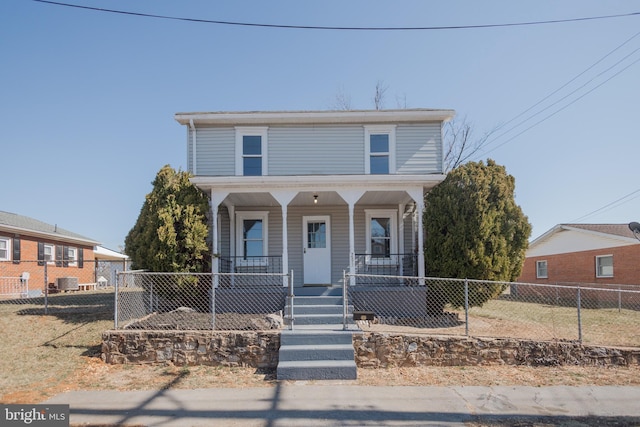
{"type": "Point", "coordinates": [608, 205]}
{"type": "Point", "coordinates": [312, 27]}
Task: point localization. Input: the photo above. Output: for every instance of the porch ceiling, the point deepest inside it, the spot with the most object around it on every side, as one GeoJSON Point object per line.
{"type": "Point", "coordinates": [325, 198]}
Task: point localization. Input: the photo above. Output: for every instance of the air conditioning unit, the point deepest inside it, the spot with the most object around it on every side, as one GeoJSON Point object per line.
{"type": "Point", "coordinates": [67, 283]}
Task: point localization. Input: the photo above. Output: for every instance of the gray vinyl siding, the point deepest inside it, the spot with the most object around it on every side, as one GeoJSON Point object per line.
{"type": "Point", "coordinates": [418, 149]}
{"type": "Point", "coordinates": [216, 151]}
{"type": "Point", "coordinates": [318, 150]}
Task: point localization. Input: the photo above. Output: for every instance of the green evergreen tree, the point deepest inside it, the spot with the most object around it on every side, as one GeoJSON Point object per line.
{"type": "Point", "coordinates": [475, 230]}
{"type": "Point", "coordinates": [171, 232]}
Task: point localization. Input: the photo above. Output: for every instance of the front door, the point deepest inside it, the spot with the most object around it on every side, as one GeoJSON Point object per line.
{"type": "Point", "coordinates": [317, 250]}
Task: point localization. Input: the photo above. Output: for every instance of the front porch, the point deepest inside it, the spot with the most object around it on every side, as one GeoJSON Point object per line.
{"type": "Point", "coordinates": [318, 227]}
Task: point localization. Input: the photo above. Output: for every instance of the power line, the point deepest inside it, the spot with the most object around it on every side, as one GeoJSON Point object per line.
{"type": "Point", "coordinates": [312, 27]}
{"type": "Point", "coordinates": [608, 205]}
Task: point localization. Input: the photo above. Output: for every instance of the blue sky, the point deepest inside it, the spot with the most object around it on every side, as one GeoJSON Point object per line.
{"type": "Point", "coordinates": [88, 98]}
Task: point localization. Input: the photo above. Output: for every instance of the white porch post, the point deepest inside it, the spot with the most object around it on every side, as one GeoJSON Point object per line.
{"type": "Point", "coordinates": [284, 198]}
{"type": "Point", "coordinates": [418, 196]}
{"type": "Point", "coordinates": [400, 255]}
{"type": "Point", "coordinates": [214, 201]}
{"type": "Point", "coordinates": [351, 197]}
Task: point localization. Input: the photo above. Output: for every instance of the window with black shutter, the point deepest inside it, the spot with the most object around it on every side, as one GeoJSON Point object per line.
{"type": "Point", "coordinates": [41, 260]}
{"type": "Point", "coordinates": [65, 256]}
{"type": "Point", "coordinates": [59, 255]}
{"type": "Point", "coordinates": [80, 257]}
{"type": "Point", "coordinates": [16, 250]}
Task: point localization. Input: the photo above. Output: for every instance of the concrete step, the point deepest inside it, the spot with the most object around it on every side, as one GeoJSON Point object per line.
{"type": "Point", "coordinates": [310, 300]}
{"type": "Point", "coordinates": [317, 370]}
{"type": "Point", "coordinates": [318, 291]}
{"type": "Point", "coordinates": [316, 352]}
{"type": "Point", "coordinates": [317, 309]}
{"type": "Point", "coordinates": [304, 336]}
{"type": "Point", "coordinates": [316, 319]}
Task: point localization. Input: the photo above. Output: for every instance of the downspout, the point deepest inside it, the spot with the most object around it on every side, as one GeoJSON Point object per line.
{"type": "Point", "coordinates": [194, 145]}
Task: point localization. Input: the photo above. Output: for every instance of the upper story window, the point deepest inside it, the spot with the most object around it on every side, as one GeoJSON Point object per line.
{"type": "Point", "coordinates": [251, 151]}
{"type": "Point", "coordinates": [380, 148]}
{"type": "Point", "coordinates": [48, 252]}
{"type": "Point", "coordinates": [541, 269]}
{"type": "Point", "coordinates": [604, 266]}
{"type": "Point", "coordinates": [5, 249]}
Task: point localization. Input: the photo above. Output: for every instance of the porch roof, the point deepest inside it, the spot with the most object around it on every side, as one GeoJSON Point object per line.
{"type": "Point", "coordinates": [378, 189]}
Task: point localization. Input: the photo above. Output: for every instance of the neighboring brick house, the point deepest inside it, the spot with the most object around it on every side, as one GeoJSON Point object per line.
{"type": "Point", "coordinates": [584, 253]}
{"type": "Point", "coordinates": [27, 246]}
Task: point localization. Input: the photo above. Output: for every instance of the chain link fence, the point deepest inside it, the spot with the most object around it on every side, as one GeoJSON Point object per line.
{"type": "Point", "coordinates": [41, 287]}
{"type": "Point", "coordinates": [591, 314]}
{"type": "Point", "coordinates": [187, 301]}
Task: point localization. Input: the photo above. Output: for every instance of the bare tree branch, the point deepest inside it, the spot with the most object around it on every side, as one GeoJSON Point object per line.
{"type": "Point", "coordinates": [378, 99]}
{"type": "Point", "coordinates": [342, 101]}
{"type": "Point", "coordinates": [460, 145]}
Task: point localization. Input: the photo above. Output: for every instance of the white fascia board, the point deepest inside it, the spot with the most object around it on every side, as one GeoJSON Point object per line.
{"type": "Point", "coordinates": [50, 236]}
{"type": "Point", "coordinates": [315, 117]}
{"type": "Point", "coordinates": [244, 184]}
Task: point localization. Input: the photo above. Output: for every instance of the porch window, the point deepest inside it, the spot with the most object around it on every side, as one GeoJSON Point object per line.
{"type": "Point", "coordinates": [251, 151]}
{"type": "Point", "coordinates": [382, 239]}
{"type": "Point", "coordinates": [380, 144]}
{"type": "Point", "coordinates": [5, 249]}
{"type": "Point", "coordinates": [251, 235]}
{"type": "Point", "coordinates": [541, 269]}
{"type": "Point", "coordinates": [604, 266]}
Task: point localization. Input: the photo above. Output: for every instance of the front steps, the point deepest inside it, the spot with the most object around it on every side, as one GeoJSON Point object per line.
{"type": "Point", "coordinates": [317, 348]}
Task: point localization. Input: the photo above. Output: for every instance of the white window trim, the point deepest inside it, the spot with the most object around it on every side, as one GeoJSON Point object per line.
{"type": "Point", "coordinates": [538, 275]}
{"type": "Point", "coordinates": [8, 257]}
{"type": "Point", "coordinates": [240, 217]}
{"type": "Point", "coordinates": [261, 131]}
{"type": "Point", "coordinates": [52, 260]}
{"type": "Point", "coordinates": [598, 257]}
{"type": "Point", "coordinates": [392, 214]}
{"type": "Point", "coordinates": [377, 130]}
{"type": "Point", "coordinates": [73, 261]}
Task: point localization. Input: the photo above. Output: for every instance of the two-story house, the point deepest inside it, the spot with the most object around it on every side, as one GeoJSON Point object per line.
{"type": "Point", "coordinates": [317, 192]}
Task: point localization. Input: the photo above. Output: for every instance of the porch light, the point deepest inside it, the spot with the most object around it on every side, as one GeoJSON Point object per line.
{"type": "Point", "coordinates": [315, 199]}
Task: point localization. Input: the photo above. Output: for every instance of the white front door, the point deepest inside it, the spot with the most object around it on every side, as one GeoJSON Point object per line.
{"type": "Point", "coordinates": [317, 250]}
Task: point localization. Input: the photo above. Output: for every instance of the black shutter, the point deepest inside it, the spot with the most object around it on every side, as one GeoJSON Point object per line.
{"type": "Point", "coordinates": [59, 256]}
{"type": "Point", "coordinates": [65, 256]}
{"type": "Point", "coordinates": [80, 257]}
{"type": "Point", "coordinates": [40, 253]}
{"type": "Point", "coordinates": [16, 250]}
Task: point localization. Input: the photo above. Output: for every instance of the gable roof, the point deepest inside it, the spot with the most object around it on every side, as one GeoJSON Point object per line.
{"type": "Point", "coordinates": [20, 224]}
{"type": "Point", "coordinates": [566, 238]}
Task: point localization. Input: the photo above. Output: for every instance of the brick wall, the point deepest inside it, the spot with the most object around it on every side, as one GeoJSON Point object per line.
{"type": "Point", "coordinates": [581, 267]}
{"type": "Point", "coordinates": [28, 263]}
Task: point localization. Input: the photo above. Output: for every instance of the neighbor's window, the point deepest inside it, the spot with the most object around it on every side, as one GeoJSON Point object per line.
{"type": "Point", "coordinates": [72, 256]}
{"type": "Point", "coordinates": [251, 234]}
{"type": "Point", "coordinates": [541, 269]}
{"type": "Point", "coordinates": [380, 144]}
{"type": "Point", "coordinates": [5, 249]}
{"type": "Point", "coordinates": [251, 151]}
{"type": "Point", "coordinates": [48, 253]}
{"type": "Point", "coordinates": [604, 266]}
{"type": "Point", "coordinates": [381, 233]}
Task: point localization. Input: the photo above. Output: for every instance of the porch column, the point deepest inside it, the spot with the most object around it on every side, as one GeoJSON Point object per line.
{"type": "Point", "coordinates": [284, 197]}
{"type": "Point", "coordinates": [401, 208]}
{"type": "Point", "coordinates": [351, 197]}
{"type": "Point", "coordinates": [418, 196]}
{"type": "Point", "coordinates": [214, 201]}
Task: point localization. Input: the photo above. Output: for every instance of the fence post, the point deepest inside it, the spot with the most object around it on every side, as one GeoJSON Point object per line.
{"type": "Point", "coordinates": [344, 300]}
{"type": "Point", "coordinates": [115, 305]}
{"type": "Point", "coordinates": [290, 298]}
{"type": "Point", "coordinates": [46, 289]}
{"type": "Point", "coordinates": [213, 301]}
{"type": "Point", "coordinates": [466, 307]}
{"type": "Point", "coordinates": [619, 299]}
{"type": "Point", "coordinates": [579, 318]}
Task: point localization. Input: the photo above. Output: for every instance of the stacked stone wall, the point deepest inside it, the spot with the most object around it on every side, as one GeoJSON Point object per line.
{"type": "Point", "coordinates": [259, 349]}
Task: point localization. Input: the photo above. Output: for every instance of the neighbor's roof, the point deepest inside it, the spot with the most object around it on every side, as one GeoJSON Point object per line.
{"type": "Point", "coordinates": [566, 238]}
{"type": "Point", "coordinates": [315, 117]}
{"type": "Point", "coordinates": [108, 254]}
{"type": "Point", "coordinates": [20, 224]}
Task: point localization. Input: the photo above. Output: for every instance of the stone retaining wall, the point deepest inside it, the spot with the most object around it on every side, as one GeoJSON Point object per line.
{"type": "Point", "coordinates": [378, 350]}
{"type": "Point", "coordinates": [215, 348]}
{"type": "Point", "coordinates": [259, 349]}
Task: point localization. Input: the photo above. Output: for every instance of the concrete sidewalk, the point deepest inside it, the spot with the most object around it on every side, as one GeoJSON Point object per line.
{"type": "Point", "coordinates": [335, 404]}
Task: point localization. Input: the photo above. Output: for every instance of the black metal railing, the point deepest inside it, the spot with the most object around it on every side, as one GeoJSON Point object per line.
{"type": "Point", "coordinates": [251, 264]}
{"type": "Point", "coordinates": [389, 265]}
